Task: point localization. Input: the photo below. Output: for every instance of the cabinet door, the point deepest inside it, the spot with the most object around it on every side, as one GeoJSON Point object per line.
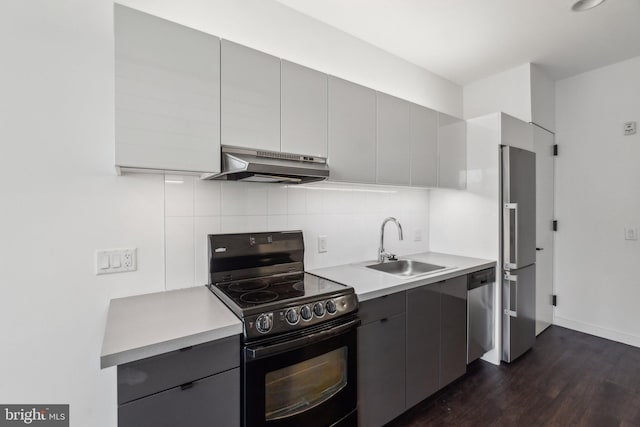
{"type": "Point", "coordinates": [393, 133]}
{"type": "Point", "coordinates": [453, 359]}
{"type": "Point", "coordinates": [381, 371]}
{"type": "Point", "coordinates": [424, 146]}
{"type": "Point", "coordinates": [352, 132]}
{"type": "Point", "coordinates": [212, 401]}
{"type": "Point", "coordinates": [423, 342]}
{"type": "Point", "coordinates": [250, 91]}
{"type": "Point", "coordinates": [452, 152]}
{"type": "Point", "coordinates": [167, 94]}
{"type": "Point", "coordinates": [304, 110]}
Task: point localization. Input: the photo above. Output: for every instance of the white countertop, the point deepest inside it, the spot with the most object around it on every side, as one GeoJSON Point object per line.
{"type": "Point", "coordinates": [369, 283]}
{"type": "Point", "coordinates": [147, 325]}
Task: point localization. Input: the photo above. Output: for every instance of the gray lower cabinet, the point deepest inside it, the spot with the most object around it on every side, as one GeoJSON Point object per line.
{"type": "Point", "coordinates": [352, 132]}
{"type": "Point", "coordinates": [453, 303]}
{"type": "Point", "coordinates": [193, 387]}
{"type": "Point", "coordinates": [381, 360]}
{"type": "Point", "coordinates": [204, 403]}
{"type": "Point", "coordinates": [167, 94]}
{"type": "Point", "coordinates": [250, 91]}
{"type": "Point", "coordinates": [436, 337]}
{"type": "Point", "coordinates": [423, 343]}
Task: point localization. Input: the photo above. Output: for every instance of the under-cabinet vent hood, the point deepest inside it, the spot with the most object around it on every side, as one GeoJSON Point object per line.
{"type": "Point", "coordinates": [245, 164]}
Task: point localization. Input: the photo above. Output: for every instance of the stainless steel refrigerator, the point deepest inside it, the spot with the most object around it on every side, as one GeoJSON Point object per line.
{"type": "Point", "coordinates": [518, 252]}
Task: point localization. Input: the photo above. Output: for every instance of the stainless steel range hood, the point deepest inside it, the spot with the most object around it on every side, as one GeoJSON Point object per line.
{"type": "Point", "coordinates": [245, 164]}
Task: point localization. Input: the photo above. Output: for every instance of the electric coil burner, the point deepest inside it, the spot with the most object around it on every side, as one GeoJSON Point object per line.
{"type": "Point", "coordinates": [299, 342]}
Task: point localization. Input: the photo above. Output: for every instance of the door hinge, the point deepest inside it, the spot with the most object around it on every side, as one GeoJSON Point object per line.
{"type": "Point", "coordinates": [555, 225]}
{"type": "Point", "coordinates": [555, 149]}
{"type": "Point", "coordinates": [554, 300]}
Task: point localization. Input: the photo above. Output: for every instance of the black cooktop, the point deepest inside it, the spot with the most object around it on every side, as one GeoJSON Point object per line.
{"type": "Point", "coordinates": [282, 288]}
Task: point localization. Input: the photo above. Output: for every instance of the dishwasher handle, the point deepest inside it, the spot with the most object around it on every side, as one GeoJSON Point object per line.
{"type": "Point", "coordinates": [481, 278]}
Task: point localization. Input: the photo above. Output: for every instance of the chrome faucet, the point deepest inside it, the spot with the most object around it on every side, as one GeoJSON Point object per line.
{"type": "Point", "coordinates": [382, 255]}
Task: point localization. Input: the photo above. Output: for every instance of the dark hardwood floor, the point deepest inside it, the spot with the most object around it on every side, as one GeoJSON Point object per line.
{"type": "Point", "coordinates": [567, 379]}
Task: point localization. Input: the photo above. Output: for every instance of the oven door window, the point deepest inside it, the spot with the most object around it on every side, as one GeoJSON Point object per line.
{"type": "Point", "coordinates": [297, 388]}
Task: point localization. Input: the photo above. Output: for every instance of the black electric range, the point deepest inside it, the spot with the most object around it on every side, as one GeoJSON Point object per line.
{"type": "Point", "coordinates": [299, 347]}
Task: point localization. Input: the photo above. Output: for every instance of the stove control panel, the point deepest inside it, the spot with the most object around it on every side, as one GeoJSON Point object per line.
{"type": "Point", "coordinates": [300, 316]}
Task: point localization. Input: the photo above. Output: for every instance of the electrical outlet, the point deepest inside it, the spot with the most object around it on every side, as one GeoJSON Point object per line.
{"type": "Point", "coordinates": [417, 235]}
{"type": "Point", "coordinates": [322, 244]}
{"type": "Point", "coordinates": [630, 233]}
{"type": "Point", "coordinates": [115, 261]}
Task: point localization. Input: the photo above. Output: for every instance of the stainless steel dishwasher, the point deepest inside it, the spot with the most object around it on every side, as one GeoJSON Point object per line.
{"type": "Point", "coordinates": [480, 316]}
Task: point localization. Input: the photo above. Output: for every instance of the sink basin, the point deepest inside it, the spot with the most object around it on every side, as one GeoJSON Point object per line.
{"type": "Point", "coordinates": [405, 267]}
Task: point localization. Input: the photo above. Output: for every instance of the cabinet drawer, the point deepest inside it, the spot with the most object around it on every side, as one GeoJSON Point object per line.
{"type": "Point", "coordinates": [212, 401]}
{"type": "Point", "coordinates": [158, 373]}
{"type": "Point", "coordinates": [379, 308]}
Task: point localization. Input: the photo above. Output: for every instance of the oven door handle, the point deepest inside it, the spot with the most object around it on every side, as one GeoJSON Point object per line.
{"type": "Point", "coordinates": [270, 350]}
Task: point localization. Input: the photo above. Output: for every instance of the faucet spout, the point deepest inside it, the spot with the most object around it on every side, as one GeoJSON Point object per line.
{"type": "Point", "coordinates": [382, 254]}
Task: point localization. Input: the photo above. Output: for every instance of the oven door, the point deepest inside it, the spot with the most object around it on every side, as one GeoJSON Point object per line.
{"type": "Point", "coordinates": [306, 379]}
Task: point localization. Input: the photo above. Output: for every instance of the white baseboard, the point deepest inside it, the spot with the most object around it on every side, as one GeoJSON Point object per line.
{"type": "Point", "coordinates": [598, 331]}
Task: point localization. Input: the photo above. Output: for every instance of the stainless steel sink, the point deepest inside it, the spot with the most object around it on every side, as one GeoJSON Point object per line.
{"type": "Point", "coordinates": [405, 267]}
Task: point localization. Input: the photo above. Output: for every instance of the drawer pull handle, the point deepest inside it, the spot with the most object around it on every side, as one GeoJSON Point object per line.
{"type": "Point", "coordinates": [186, 348]}
{"type": "Point", "coordinates": [383, 320]}
{"type": "Point", "coordinates": [186, 386]}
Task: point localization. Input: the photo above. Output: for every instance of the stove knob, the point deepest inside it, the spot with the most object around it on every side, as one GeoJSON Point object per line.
{"type": "Point", "coordinates": [318, 309]}
{"type": "Point", "coordinates": [331, 306]}
{"type": "Point", "coordinates": [305, 312]}
{"type": "Point", "coordinates": [263, 323]}
{"type": "Point", "coordinates": [291, 316]}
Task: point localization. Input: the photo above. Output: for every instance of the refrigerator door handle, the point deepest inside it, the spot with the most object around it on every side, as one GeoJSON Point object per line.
{"type": "Point", "coordinates": [511, 310]}
{"type": "Point", "coordinates": [510, 234]}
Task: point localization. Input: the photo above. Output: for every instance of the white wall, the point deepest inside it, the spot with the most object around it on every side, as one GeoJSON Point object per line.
{"type": "Point", "coordinates": [276, 29]}
{"type": "Point", "coordinates": [60, 202]}
{"type": "Point", "coordinates": [597, 195]}
{"type": "Point", "coordinates": [543, 112]}
{"type": "Point", "coordinates": [61, 199]}
{"type": "Point", "coordinates": [348, 215]}
{"type": "Point", "coordinates": [508, 92]}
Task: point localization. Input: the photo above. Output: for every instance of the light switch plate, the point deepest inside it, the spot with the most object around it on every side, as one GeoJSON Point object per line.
{"type": "Point", "coordinates": [417, 235]}
{"type": "Point", "coordinates": [630, 233]}
{"type": "Point", "coordinates": [630, 128]}
{"type": "Point", "coordinates": [116, 261]}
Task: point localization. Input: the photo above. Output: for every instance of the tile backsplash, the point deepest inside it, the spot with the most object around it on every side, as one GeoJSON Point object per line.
{"type": "Point", "coordinates": [349, 215]}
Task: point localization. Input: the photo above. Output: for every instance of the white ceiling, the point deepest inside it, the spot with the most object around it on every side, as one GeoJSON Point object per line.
{"type": "Point", "coordinates": [465, 40]}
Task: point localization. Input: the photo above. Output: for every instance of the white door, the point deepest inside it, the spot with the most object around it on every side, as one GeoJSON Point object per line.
{"type": "Point", "coordinates": [543, 142]}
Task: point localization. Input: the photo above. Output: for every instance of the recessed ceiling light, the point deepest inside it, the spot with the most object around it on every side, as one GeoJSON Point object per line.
{"type": "Point", "coordinates": [582, 5]}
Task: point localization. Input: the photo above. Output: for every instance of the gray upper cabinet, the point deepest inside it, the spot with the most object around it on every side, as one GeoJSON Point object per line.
{"type": "Point", "coordinates": [424, 146]}
{"type": "Point", "coordinates": [452, 152]}
{"type": "Point", "coordinates": [167, 94]}
{"type": "Point", "coordinates": [393, 130]}
{"type": "Point", "coordinates": [304, 110]}
{"type": "Point", "coordinates": [250, 90]}
{"type": "Point", "coordinates": [352, 132]}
